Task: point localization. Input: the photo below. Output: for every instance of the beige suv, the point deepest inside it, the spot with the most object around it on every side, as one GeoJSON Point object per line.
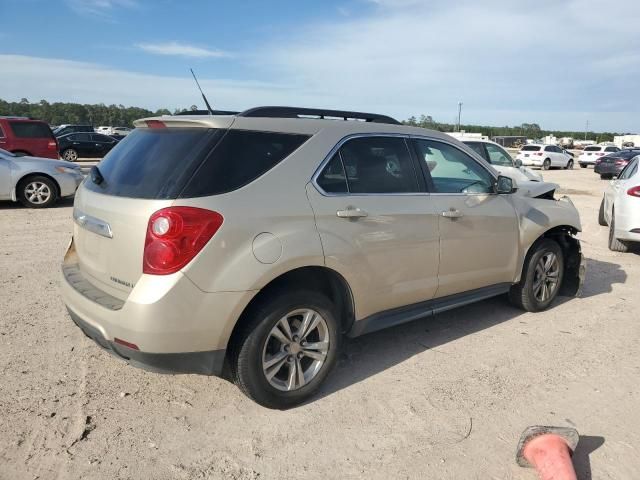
{"type": "Point", "coordinates": [248, 245]}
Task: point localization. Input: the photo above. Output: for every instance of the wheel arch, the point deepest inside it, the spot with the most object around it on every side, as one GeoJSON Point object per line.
{"type": "Point", "coordinates": [565, 236]}
{"type": "Point", "coordinates": [25, 177]}
{"type": "Point", "coordinates": [316, 278]}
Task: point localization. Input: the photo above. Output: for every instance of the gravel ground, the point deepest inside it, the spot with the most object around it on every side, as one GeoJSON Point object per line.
{"type": "Point", "coordinates": [445, 397]}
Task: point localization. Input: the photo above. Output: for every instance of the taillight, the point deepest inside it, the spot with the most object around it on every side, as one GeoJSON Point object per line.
{"type": "Point", "coordinates": [175, 235]}
{"type": "Point", "coordinates": [634, 191]}
{"type": "Point", "coordinates": [621, 162]}
{"type": "Point", "coordinates": [539, 153]}
{"type": "Point", "coordinates": [52, 145]}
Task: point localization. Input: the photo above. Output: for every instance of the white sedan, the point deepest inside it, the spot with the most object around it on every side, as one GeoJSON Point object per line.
{"type": "Point", "coordinates": [545, 157]}
{"type": "Point", "coordinates": [620, 208]}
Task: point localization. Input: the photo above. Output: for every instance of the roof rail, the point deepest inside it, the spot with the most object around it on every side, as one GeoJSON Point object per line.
{"type": "Point", "coordinates": [15, 117]}
{"type": "Point", "coordinates": [296, 112]}
{"type": "Point", "coordinates": [206, 112]}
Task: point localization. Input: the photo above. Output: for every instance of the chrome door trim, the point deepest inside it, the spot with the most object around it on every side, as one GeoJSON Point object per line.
{"type": "Point", "coordinates": [92, 224]}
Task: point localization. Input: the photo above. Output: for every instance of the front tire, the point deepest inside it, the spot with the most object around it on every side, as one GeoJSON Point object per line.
{"type": "Point", "coordinates": [616, 245]}
{"type": "Point", "coordinates": [37, 192]}
{"type": "Point", "coordinates": [70, 155]}
{"type": "Point", "coordinates": [569, 165]}
{"type": "Point", "coordinates": [582, 165]}
{"type": "Point", "coordinates": [601, 218]}
{"type": "Point", "coordinates": [546, 165]}
{"type": "Point", "coordinates": [541, 277]}
{"type": "Point", "coordinates": [287, 349]}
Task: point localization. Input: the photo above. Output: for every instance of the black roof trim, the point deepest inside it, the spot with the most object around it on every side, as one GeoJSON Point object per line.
{"type": "Point", "coordinates": [206, 112]}
{"type": "Point", "coordinates": [298, 112]}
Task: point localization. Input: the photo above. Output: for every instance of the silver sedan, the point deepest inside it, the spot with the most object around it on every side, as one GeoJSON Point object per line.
{"type": "Point", "coordinates": [37, 182]}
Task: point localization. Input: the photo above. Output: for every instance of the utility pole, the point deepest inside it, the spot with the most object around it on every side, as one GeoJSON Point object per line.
{"type": "Point", "coordinates": [459, 114]}
{"type": "Point", "coordinates": [586, 129]}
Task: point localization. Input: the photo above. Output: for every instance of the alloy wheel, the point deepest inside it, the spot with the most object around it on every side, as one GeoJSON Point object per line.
{"type": "Point", "coordinates": [547, 273]}
{"type": "Point", "coordinates": [37, 193]}
{"type": "Point", "coordinates": [295, 350]}
{"type": "Point", "coordinates": [70, 155]}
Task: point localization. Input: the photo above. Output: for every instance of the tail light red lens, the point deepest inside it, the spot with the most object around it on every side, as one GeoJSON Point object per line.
{"type": "Point", "coordinates": [634, 191]}
{"type": "Point", "coordinates": [155, 124]}
{"type": "Point", "coordinates": [621, 162]}
{"type": "Point", "coordinates": [175, 235]}
{"type": "Point", "coordinates": [539, 154]}
{"type": "Point", "coordinates": [52, 145]}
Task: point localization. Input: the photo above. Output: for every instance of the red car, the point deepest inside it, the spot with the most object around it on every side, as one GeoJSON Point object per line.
{"type": "Point", "coordinates": [25, 136]}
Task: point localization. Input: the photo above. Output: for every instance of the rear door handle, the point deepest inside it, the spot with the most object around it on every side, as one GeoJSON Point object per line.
{"type": "Point", "coordinates": [453, 213]}
{"type": "Point", "coordinates": [351, 212]}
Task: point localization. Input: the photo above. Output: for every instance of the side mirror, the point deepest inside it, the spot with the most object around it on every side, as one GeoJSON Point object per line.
{"type": "Point", "coordinates": [504, 185]}
{"type": "Point", "coordinates": [518, 163]}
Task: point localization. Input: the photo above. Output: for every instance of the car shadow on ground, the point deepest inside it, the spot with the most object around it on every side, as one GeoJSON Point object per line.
{"type": "Point", "coordinates": [370, 354]}
{"type": "Point", "coordinates": [581, 462]}
{"type": "Point", "coordinates": [9, 205]}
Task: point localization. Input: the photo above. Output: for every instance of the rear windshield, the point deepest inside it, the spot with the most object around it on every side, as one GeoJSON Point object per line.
{"type": "Point", "coordinates": [592, 149]}
{"type": "Point", "coordinates": [167, 163]}
{"type": "Point", "coordinates": [30, 129]}
{"type": "Point", "coordinates": [530, 148]}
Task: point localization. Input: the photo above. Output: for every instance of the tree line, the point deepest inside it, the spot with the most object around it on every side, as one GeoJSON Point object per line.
{"type": "Point", "coordinates": [59, 113]}
{"type": "Point", "coordinates": [529, 130]}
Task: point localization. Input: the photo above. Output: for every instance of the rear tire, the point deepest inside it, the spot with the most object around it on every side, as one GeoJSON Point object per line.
{"type": "Point", "coordinates": [37, 192]}
{"type": "Point", "coordinates": [605, 176]}
{"type": "Point", "coordinates": [541, 279]}
{"type": "Point", "coordinates": [546, 165]}
{"type": "Point", "coordinates": [616, 245]}
{"type": "Point", "coordinates": [601, 218]}
{"type": "Point", "coordinates": [583, 165]}
{"type": "Point", "coordinates": [262, 340]}
{"type": "Point", "coordinates": [70, 155]}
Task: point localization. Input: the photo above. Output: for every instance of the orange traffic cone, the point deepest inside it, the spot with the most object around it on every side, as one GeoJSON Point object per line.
{"type": "Point", "coordinates": [548, 450]}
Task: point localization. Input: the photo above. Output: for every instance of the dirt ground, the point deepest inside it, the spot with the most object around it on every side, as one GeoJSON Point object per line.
{"type": "Point", "coordinates": [441, 398]}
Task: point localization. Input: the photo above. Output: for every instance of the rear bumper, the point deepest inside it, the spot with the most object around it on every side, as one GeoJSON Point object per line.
{"type": "Point", "coordinates": [584, 161]}
{"type": "Point", "coordinates": [530, 162]}
{"type": "Point", "coordinates": [608, 169]}
{"type": "Point", "coordinates": [176, 326]}
{"type": "Point", "coordinates": [203, 363]}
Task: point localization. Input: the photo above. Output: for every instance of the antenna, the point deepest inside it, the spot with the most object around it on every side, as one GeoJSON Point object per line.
{"type": "Point", "coordinates": [206, 102]}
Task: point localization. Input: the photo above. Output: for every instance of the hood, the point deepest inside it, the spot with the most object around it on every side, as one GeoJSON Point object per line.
{"type": "Point", "coordinates": [534, 189]}
{"type": "Point", "coordinates": [46, 161]}
{"type": "Point", "coordinates": [520, 175]}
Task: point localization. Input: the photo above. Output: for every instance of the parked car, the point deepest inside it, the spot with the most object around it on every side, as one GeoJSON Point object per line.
{"type": "Point", "coordinates": [591, 153]}
{"type": "Point", "coordinates": [85, 145]}
{"type": "Point", "coordinates": [120, 131]}
{"type": "Point", "coordinates": [611, 165]}
{"type": "Point", "coordinates": [36, 182]}
{"type": "Point", "coordinates": [620, 208]}
{"type": "Point", "coordinates": [25, 136]}
{"type": "Point", "coordinates": [545, 157]}
{"type": "Point", "coordinates": [257, 240]}
{"type": "Point", "coordinates": [500, 159]}
{"type": "Point", "coordinates": [67, 129]}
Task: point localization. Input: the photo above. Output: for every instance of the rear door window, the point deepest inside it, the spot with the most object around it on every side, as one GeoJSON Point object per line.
{"type": "Point", "coordinates": [379, 165]}
{"type": "Point", "coordinates": [611, 149]}
{"type": "Point", "coordinates": [81, 137]}
{"type": "Point", "coordinates": [240, 157]}
{"type": "Point", "coordinates": [30, 129]}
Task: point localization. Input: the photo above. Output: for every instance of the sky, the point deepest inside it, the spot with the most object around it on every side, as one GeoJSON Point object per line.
{"type": "Point", "coordinates": [558, 63]}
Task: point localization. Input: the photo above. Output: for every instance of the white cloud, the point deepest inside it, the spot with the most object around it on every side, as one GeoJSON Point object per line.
{"type": "Point", "coordinates": [100, 8]}
{"type": "Point", "coordinates": [180, 49]}
{"type": "Point", "coordinates": [38, 78]}
{"type": "Point", "coordinates": [509, 62]}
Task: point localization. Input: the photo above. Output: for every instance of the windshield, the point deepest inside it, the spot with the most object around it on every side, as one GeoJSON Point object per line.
{"type": "Point", "coordinates": [530, 148]}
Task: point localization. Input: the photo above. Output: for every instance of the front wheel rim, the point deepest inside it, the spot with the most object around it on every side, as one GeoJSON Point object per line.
{"type": "Point", "coordinates": [546, 277]}
{"type": "Point", "coordinates": [37, 193]}
{"type": "Point", "coordinates": [295, 349]}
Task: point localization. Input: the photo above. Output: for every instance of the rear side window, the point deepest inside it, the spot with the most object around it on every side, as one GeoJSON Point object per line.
{"type": "Point", "coordinates": [154, 163]}
{"type": "Point", "coordinates": [498, 156]}
{"type": "Point", "coordinates": [333, 178]}
{"type": "Point", "coordinates": [530, 148]}
{"type": "Point", "coordinates": [611, 149]}
{"type": "Point", "coordinates": [30, 130]}
{"type": "Point", "coordinates": [478, 148]}
{"type": "Point", "coordinates": [240, 157]}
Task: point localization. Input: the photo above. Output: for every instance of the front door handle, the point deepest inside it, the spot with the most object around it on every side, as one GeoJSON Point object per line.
{"type": "Point", "coordinates": [453, 213]}
{"type": "Point", "coordinates": [351, 212]}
